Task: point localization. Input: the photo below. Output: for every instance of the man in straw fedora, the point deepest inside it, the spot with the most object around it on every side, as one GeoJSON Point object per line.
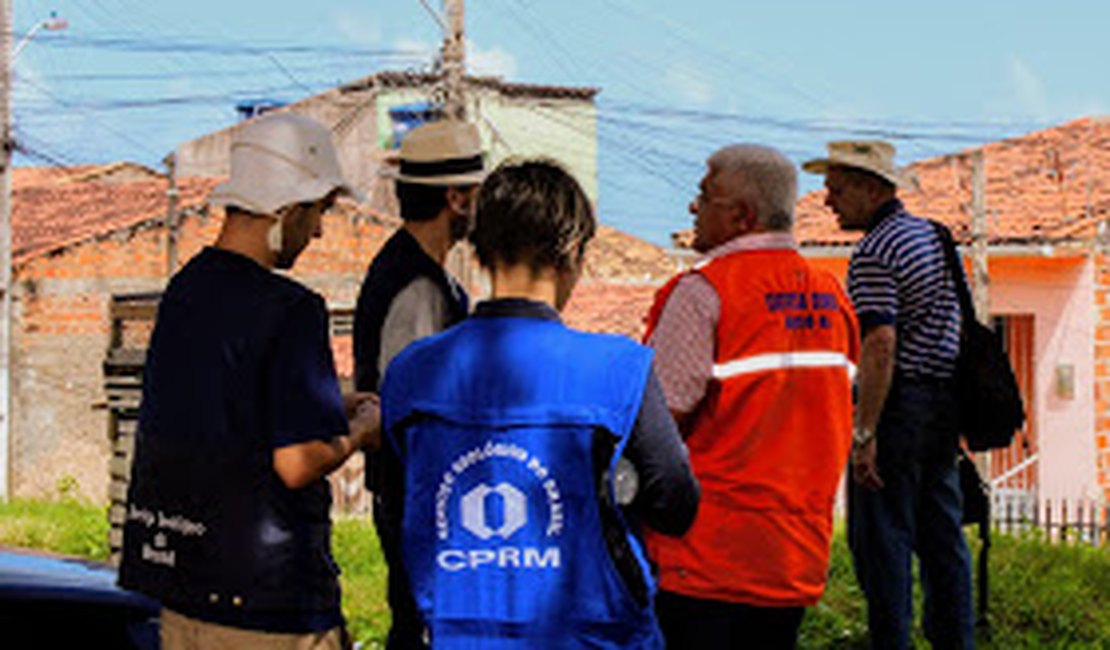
{"type": "Point", "coordinates": [407, 295]}
{"type": "Point", "coordinates": [904, 498]}
{"type": "Point", "coordinates": [241, 417]}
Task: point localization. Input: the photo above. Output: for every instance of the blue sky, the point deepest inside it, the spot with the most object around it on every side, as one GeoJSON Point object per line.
{"type": "Point", "coordinates": [678, 79]}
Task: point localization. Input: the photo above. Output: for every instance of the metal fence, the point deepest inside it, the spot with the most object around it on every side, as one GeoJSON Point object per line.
{"type": "Point", "coordinates": [1080, 521]}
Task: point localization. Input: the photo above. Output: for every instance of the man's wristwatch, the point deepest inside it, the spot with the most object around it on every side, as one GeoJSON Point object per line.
{"type": "Point", "coordinates": [861, 436]}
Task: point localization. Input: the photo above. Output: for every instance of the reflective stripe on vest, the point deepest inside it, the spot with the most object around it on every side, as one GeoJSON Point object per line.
{"type": "Point", "coordinates": [783, 361]}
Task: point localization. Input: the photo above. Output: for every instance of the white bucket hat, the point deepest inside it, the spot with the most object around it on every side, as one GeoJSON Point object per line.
{"type": "Point", "coordinates": [278, 160]}
{"type": "Point", "coordinates": [875, 156]}
{"type": "Point", "coordinates": [446, 152]}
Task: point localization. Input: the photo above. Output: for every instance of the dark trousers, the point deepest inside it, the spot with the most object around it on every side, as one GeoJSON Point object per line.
{"type": "Point", "coordinates": [700, 624]}
{"type": "Point", "coordinates": [918, 511]}
{"type": "Point", "coordinates": [407, 629]}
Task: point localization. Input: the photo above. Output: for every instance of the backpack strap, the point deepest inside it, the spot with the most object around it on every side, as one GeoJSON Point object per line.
{"type": "Point", "coordinates": [963, 293]}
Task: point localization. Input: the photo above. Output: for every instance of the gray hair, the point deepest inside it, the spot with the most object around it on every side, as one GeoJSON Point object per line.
{"type": "Point", "coordinates": [762, 176]}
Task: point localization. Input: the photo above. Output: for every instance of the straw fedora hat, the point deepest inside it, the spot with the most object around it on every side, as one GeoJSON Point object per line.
{"type": "Point", "coordinates": [278, 160]}
{"type": "Point", "coordinates": [446, 152]}
{"type": "Point", "coordinates": [874, 156]}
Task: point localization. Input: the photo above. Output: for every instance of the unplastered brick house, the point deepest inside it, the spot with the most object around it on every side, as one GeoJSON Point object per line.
{"type": "Point", "coordinates": [85, 235]}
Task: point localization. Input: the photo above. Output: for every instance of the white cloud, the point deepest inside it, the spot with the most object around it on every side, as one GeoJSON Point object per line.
{"type": "Point", "coordinates": [1029, 90]}
{"type": "Point", "coordinates": [493, 62]}
{"type": "Point", "coordinates": [689, 84]}
{"type": "Point", "coordinates": [422, 49]}
{"type": "Point", "coordinates": [357, 28]}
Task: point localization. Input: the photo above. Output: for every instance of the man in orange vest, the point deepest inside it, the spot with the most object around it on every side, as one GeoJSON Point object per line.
{"type": "Point", "coordinates": [755, 350]}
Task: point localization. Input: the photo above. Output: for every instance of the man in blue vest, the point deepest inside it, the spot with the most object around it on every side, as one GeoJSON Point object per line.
{"type": "Point", "coordinates": [532, 453]}
{"type": "Point", "coordinates": [242, 418]}
{"type": "Point", "coordinates": [407, 295]}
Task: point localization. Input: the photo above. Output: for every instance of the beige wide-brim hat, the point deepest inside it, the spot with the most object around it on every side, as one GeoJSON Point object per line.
{"type": "Point", "coordinates": [446, 152]}
{"type": "Point", "coordinates": [875, 156]}
{"type": "Point", "coordinates": [281, 159]}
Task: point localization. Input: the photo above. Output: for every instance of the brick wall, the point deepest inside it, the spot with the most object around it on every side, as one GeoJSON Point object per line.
{"type": "Point", "coordinates": [1102, 370]}
{"type": "Point", "coordinates": [61, 334]}
{"type": "Point", "coordinates": [61, 329]}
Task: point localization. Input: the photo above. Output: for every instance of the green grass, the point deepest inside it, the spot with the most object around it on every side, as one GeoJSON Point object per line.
{"type": "Point", "coordinates": [68, 527]}
{"type": "Point", "coordinates": [1042, 596]}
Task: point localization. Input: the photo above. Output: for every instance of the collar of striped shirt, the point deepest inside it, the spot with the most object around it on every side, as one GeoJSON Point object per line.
{"type": "Point", "coordinates": [891, 207]}
{"type": "Point", "coordinates": [755, 242]}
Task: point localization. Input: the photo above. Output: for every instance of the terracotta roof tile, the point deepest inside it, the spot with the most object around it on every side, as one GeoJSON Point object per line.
{"type": "Point", "coordinates": [48, 217]}
{"type": "Point", "coordinates": [617, 255]}
{"type": "Point", "coordinates": [1047, 186]}
{"type": "Point", "coordinates": [58, 207]}
{"type": "Point", "coordinates": [607, 307]}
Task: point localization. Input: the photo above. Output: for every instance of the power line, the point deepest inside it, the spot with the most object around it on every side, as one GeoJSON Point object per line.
{"type": "Point", "coordinates": [197, 46]}
{"type": "Point", "coordinates": [67, 104]}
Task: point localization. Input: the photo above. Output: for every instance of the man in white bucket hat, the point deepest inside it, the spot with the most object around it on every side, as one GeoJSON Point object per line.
{"type": "Point", "coordinates": [407, 295]}
{"type": "Point", "coordinates": [241, 417]}
{"type": "Point", "coordinates": [904, 498]}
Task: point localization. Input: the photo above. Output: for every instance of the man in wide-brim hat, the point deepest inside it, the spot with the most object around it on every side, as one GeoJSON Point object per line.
{"type": "Point", "coordinates": [904, 498]}
{"type": "Point", "coordinates": [407, 295]}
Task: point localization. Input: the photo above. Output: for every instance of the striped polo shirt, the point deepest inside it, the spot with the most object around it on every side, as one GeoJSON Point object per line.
{"type": "Point", "coordinates": [899, 276]}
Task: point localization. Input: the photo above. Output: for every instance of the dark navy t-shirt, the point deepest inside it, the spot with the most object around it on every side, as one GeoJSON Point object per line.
{"type": "Point", "coordinates": [240, 358]}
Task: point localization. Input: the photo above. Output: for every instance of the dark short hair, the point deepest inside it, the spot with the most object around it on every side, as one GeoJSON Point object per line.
{"type": "Point", "coordinates": [421, 202]}
{"type": "Point", "coordinates": [860, 176]}
{"type": "Point", "coordinates": [532, 212]}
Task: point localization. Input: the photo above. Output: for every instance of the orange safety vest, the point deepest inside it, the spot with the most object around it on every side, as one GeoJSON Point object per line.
{"type": "Point", "coordinates": [770, 440]}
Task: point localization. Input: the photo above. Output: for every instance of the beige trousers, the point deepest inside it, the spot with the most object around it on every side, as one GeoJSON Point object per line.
{"type": "Point", "coordinates": [184, 633]}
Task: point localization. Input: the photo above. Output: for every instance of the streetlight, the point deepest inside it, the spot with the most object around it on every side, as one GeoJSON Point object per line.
{"type": "Point", "coordinates": [7, 57]}
{"type": "Point", "coordinates": [51, 24]}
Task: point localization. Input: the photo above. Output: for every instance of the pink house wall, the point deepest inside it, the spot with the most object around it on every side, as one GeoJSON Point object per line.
{"type": "Point", "coordinates": [1060, 295]}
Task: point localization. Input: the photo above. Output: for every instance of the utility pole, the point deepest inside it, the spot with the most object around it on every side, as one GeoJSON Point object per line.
{"type": "Point", "coordinates": [6, 146]}
{"type": "Point", "coordinates": [980, 285]}
{"type": "Point", "coordinates": [454, 61]}
{"type": "Point", "coordinates": [980, 280]}
{"type": "Point", "coordinates": [170, 162]}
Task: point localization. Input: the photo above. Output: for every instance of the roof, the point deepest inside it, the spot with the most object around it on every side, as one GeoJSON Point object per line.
{"type": "Point", "coordinates": [122, 171]}
{"type": "Point", "coordinates": [48, 215]}
{"type": "Point", "coordinates": [617, 256]}
{"type": "Point", "coordinates": [609, 307]}
{"type": "Point", "coordinates": [421, 79]}
{"type": "Point", "coordinates": [1050, 186]}
{"type": "Point", "coordinates": [55, 208]}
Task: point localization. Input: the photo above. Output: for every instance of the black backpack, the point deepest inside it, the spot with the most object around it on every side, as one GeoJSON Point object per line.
{"type": "Point", "coordinates": [987, 393]}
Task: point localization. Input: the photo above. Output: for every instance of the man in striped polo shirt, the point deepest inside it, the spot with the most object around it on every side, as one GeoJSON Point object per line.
{"type": "Point", "coordinates": [904, 497]}
{"type": "Point", "coordinates": [755, 349]}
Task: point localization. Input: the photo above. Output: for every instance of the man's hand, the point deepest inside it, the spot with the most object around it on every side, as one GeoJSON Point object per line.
{"type": "Point", "coordinates": [351, 402]}
{"type": "Point", "coordinates": [865, 466]}
{"type": "Point", "coordinates": [301, 464]}
{"type": "Point", "coordinates": [365, 419]}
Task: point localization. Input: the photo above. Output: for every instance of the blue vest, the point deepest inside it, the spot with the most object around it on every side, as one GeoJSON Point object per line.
{"type": "Point", "coordinates": [495, 422]}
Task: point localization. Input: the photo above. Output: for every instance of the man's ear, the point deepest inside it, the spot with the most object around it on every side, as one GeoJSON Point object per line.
{"type": "Point", "coordinates": [457, 199]}
{"type": "Point", "coordinates": [743, 217]}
